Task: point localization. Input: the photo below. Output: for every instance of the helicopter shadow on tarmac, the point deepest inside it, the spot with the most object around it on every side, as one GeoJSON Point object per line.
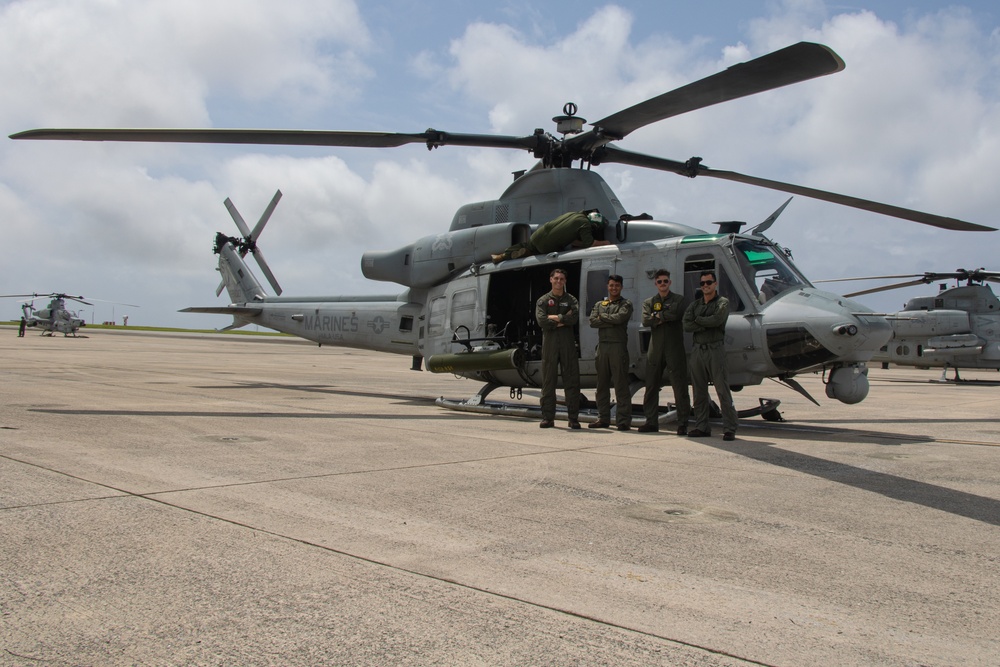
{"type": "Point", "coordinates": [952, 501]}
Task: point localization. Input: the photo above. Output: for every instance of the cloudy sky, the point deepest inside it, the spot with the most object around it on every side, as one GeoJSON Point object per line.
{"type": "Point", "coordinates": [913, 120]}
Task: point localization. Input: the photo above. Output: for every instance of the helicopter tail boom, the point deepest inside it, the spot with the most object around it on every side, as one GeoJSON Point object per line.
{"type": "Point", "coordinates": [240, 284]}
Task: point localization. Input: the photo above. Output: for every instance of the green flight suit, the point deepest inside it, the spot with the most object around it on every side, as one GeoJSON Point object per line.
{"type": "Point", "coordinates": [707, 321]}
{"type": "Point", "coordinates": [666, 352]}
{"type": "Point", "coordinates": [569, 228]}
{"type": "Point", "coordinates": [610, 318]}
{"type": "Point", "coordinates": [559, 352]}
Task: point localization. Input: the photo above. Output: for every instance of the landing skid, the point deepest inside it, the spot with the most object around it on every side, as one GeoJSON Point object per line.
{"type": "Point", "coordinates": [944, 376]}
{"type": "Point", "coordinates": [768, 410]}
{"type": "Point", "coordinates": [477, 403]}
{"type": "Point", "coordinates": [960, 380]}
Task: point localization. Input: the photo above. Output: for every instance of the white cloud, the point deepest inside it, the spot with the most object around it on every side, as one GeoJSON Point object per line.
{"type": "Point", "coordinates": [160, 62]}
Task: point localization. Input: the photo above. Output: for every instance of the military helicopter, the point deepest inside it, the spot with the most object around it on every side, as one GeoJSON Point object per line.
{"type": "Point", "coordinates": [957, 328]}
{"type": "Point", "coordinates": [54, 318]}
{"type": "Point", "coordinates": [462, 314]}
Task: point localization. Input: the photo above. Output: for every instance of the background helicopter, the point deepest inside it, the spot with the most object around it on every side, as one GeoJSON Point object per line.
{"type": "Point", "coordinates": [957, 328]}
{"type": "Point", "coordinates": [54, 317]}
{"type": "Point", "coordinates": [474, 319]}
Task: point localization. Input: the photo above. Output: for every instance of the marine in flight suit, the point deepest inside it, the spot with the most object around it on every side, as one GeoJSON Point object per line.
{"type": "Point", "coordinates": [663, 314]}
{"type": "Point", "coordinates": [706, 319]}
{"type": "Point", "coordinates": [557, 313]}
{"type": "Point", "coordinates": [610, 317]}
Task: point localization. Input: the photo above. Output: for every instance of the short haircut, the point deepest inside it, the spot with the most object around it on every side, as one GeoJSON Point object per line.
{"type": "Point", "coordinates": [709, 273]}
{"type": "Point", "coordinates": [615, 277]}
{"type": "Point", "coordinates": [661, 272]}
{"type": "Point", "coordinates": [555, 271]}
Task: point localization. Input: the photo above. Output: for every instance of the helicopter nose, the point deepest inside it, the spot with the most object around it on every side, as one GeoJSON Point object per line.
{"type": "Point", "coordinates": [810, 328]}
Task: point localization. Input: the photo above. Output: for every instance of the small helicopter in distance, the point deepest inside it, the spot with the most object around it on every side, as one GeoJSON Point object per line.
{"type": "Point", "coordinates": [54, 318]}
{"type": "Point", "coordinates": [957, 328]}
{"type": "Point", "coordinates": [460, 313]}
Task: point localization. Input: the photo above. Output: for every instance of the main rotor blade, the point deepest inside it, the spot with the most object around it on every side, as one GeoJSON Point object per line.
{"type": "Point", "coordinates": [976, 275]}
{"type": "Point", "coordinates": [844, 280]}
{"type": "Point", "coordinates": [433, 138]}
{"type": "Point", "coordinates": [693, 168]}
{"type": "Point", "coordinates": [119, 303]}
{"type": "Point", "coordinates": [886, 288]}
{"type": "Point", "coordinates": [793, 64]}
{"type": "Point", "coordinates": [929, 276]}
{"type": "Point", "coordinates": [856, 202]}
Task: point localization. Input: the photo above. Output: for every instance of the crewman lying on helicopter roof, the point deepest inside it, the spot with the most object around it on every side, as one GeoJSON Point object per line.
{"type": "Point", "coordinates": [577, 229]}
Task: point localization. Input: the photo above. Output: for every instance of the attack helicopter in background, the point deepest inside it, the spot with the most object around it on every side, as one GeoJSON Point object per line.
{"type": "Point", "coordinates": [957, 328]}
{"type": "Point", "coordinates": [462, 314]}
{"type": "Point", "coordinates": [54, 318]}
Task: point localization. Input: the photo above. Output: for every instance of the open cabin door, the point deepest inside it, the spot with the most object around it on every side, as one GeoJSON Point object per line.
{"type": "Point", "coordinates": [510, 304]}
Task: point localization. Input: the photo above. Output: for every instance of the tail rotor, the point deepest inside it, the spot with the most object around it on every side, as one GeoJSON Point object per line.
{"type": "Point", "coordinates": [248, 242]}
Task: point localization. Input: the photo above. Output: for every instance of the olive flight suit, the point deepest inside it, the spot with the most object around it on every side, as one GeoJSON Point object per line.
{"type": "Point", "coordinates": [559, 353]}
{"type": "Point", "coordinates": [610, 318]}
{"type": "Point", "coordinates": [569, 228]}
{"type": "Point", "coordinates": [707, 321]}
{"type": "Point", "coordinates": [666, 352]}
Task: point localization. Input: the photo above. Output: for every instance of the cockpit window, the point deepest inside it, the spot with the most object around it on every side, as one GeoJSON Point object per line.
{"type": "Point", "coordinates": [766, 269]}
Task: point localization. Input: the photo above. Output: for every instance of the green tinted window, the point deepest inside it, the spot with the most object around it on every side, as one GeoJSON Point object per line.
{"type": "Point", "coordinates": [758, 257]}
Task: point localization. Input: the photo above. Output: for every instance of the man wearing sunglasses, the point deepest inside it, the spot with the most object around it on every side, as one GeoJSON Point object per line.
{"type": "Point", "coordinates": [662, 313]}
{"type": "Point", "coordinates": [706, 319]}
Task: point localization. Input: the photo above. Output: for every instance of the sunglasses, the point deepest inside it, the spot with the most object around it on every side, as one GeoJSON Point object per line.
{"type": "Point", "coordinates": [663, 281]}
{"type": "Point", "coordinates": [706, 282]}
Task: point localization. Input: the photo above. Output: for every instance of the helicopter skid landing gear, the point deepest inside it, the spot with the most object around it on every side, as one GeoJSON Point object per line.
{"type": "Point", "coordinates": [944, 375]}
{"type": "Point", "coordinates": [479, 398]}
{"type": "Point", "coordinates": [767, 409]}
{"type": "Point", "coordinates": [477, 403]}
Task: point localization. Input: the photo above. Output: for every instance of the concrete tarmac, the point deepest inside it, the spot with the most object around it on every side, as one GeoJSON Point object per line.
{"type": "Point", "coordinates": [224, 500]}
